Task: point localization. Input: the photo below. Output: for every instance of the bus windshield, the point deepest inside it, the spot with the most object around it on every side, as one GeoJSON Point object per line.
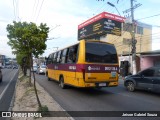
{"type": "Point", "coordinates": [99, 52]}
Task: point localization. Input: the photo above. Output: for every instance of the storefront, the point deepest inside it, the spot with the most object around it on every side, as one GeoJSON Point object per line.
{"type": "Point", "coordinates": [149, 59]}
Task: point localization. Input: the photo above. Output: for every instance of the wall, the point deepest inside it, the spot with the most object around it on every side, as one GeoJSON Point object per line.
{"type": "Point", "coordinates": [144, 41]}
{"type": "Point", "coordinates": [146, 62]}
{"type": "Point", "coordinates": [129, 58]}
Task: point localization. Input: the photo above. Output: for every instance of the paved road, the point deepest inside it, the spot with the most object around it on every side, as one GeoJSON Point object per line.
{"type": "Point", "coordinates": [106, 99]}
{"type": "Point", "coordinates": [7, 88]}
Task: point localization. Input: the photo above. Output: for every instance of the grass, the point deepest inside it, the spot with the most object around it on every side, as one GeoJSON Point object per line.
{"type": "Point", "coordinates": [44, 111]}
{"type": "Point", "coordinates": [29, 90]}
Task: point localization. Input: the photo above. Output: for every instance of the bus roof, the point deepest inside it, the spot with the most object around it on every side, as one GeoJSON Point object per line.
{"type": "Point", "coordinates": [90, 40]}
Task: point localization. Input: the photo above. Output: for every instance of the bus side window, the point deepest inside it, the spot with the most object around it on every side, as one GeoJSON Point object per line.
{"type": "Point", "coordinates": [72, 54]}
{"type": "Point", "coordinates": [64, 56]}
{"type": "Point", "coordinates": [59, 57]}
{"type": "Point", "coordinates": [49, 60]}
{"type": "Point", "coordinates": [75, 53]}
{"type": "Point", "coordinates": [52, 56]}
{"type": "Point", "coordinates": [55, 58]}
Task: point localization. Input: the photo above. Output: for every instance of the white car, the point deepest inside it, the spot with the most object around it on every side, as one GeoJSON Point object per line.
{"type": "Point", "coordinates": [34, 69]}
{"type": "Point", "coordinates": [41, 69]}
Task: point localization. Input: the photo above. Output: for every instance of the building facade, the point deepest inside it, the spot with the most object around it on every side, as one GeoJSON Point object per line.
{"type": "Point", "coordinates": [114, 29]}
{"type": "Point", "coordinates": [123, 43]}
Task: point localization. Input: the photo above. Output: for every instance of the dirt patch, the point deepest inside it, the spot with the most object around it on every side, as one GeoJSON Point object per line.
{"type": "Point", "coordinates": [25, 100]}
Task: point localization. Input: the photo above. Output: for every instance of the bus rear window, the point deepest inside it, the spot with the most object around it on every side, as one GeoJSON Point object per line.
{"type": "Point", "coordinates": [98, 52]}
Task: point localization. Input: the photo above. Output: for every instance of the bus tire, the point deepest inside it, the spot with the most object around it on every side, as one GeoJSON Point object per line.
{"type": "Point", "coordinates": [61, 83]}
{"type": "Point", "coordinates": [49, 79]}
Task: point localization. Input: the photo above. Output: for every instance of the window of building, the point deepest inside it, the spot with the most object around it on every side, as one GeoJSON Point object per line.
{"type": "Point", "coordinates": [139, 30]}
{"type": "Point", "coordinates": [127, 27]}
{"type": "Point", "coordinates": [127, 41]}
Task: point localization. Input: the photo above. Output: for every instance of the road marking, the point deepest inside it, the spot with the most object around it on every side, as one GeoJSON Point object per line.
{"type": "Point", "coordinates": [7, 86]}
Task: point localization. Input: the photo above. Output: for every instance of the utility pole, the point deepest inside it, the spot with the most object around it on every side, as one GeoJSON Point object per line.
{"type": "Point", "coordinates": [134, 68]}
{"type": "Point", "coordinates": [133, 41]}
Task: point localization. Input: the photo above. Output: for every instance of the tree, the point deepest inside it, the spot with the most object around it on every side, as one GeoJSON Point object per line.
{"type": "Point", "coordinates": [28, 39]}
{"type": "Point", "coordinates": [22, 61]}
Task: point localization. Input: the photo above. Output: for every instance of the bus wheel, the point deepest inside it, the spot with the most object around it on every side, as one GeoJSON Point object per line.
{"type": "Point", "coordinates": [61, 83]}
{"type": "Point", "coordinates": [47, 76]}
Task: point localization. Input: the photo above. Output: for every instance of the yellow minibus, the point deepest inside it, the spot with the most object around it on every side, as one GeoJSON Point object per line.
{"type": "Point", "coordinates": [88, 63]}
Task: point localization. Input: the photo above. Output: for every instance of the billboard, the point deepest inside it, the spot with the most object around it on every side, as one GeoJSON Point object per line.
{"type": "Point", "coordinates": [104, 23]}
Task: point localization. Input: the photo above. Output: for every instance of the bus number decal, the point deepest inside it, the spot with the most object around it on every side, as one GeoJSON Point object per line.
{"type": "Point", "coordinates": [56, 67]}
{"type": "Point", "coordinates": [72, 67]}
{"type": "Point", "coordinates": [93, 68]}
{"type": "Point", "coordinates": [111, 68]}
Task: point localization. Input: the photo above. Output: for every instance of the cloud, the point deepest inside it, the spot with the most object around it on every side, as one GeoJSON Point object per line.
{"type": "Point", "coordinates": [4, 48]}
{"type": "Point", "coordinates": [66, 13]}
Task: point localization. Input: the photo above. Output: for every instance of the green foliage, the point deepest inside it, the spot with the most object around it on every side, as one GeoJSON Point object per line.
{"type": "Point", "coordinates": [27, 38]}
{"type": "Point", "coordinates": [19, 57]}
{"type": "Point", "coordinates": [44, 110]}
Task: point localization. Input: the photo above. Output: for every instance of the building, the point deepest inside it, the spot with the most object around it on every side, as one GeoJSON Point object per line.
{"type": "Point", "coordinates": [114, 29]}
{"type": "Point", "coordinates": [123, 43]}
{"type": "Point", "coordinates": [149, 59]}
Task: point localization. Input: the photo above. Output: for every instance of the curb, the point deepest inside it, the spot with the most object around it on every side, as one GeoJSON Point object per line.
{"type": "Point", "coordinates": [71, 118]}
{"type": "Point", "coordinates": [13, 98]}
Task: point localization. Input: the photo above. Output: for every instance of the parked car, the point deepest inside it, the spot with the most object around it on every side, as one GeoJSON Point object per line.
{"type": "Point", "coordinates": [148, 79]}
{"type": "Point", "coordinates": [2, 67]}
{"type": "Point", "coordinates": [15, 67]}
{"type": "Point", "coordinates": [34, 69]}
{"type": "Point", "coordinates": [9, 66]}
{"type": "Point", "coordinates": [0, 75]}
{"type": "Point", "coordinates": [41, 69]}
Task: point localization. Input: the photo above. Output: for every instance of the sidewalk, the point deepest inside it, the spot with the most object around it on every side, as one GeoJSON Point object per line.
{"type": "Point", "coordinates": [25, 100]}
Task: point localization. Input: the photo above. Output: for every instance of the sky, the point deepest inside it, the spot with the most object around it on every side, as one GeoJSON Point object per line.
{"type": "Point", "coordinates": [64, 16]}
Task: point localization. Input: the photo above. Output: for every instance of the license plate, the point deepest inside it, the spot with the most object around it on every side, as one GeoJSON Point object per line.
{"type": "Point", "coordinates": [113, 74]}
{"type": "Point", "coordinates": [102, 84]}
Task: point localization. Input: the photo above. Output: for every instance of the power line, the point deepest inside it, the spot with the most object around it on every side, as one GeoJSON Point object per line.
{"type": "Point", "coordinates": [142, 36]}
{"type": "Point", "coordinates": [36, 8]}
{"type": "Point", "coordinates": [14, 7]}
{"type": "Point", "coordinates": [39, 10]}
{"type": "Point", "coordinates": [116, 38]}
{"type": "Point", "coordinates": [148, 42]}
{"type": "Point", "coordinates": [17, 4]}
{"type": "Point", "coordinates": [33, 10]}
{"type": "Point", "coordinates": [121, 34]}
{"type": "Point", "coordinates": [149, 17]}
